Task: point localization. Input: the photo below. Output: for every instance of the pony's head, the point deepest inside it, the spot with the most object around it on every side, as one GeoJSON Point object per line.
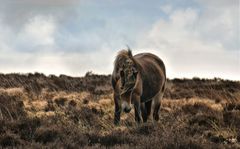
{"type": "Point", "coordinates": [126, 70]}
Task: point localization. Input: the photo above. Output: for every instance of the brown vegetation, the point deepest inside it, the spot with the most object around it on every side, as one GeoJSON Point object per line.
{"type": "Point", "coordinates": [38, 111]}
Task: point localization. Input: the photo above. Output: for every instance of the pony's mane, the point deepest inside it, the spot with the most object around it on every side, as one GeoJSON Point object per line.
{"type": "Point", "coordinates": [123, 54]}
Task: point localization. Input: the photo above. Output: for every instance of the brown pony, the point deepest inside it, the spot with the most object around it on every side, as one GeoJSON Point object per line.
{"type": "Point", "coordinates": [138, 80]}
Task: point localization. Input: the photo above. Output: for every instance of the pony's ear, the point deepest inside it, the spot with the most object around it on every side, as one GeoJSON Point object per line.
{"type": "Point", "coordinates": [129, 53]}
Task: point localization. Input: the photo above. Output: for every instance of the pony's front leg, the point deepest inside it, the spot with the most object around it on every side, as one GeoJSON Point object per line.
{"type": "Point", "coordinates": [118, 109]}
{"type": "Point", "coordinates": [137, 107]}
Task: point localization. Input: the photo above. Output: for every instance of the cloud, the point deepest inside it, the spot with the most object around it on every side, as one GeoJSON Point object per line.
{"type": "Point", "coordinates": [16, 13]}
{"type": "Point", "coordinates": [219, 4]}
{"type": "Point", "coordinates": [197, 38]}
{"type": "Point", "coordinates": [4, 36]}
{"type": "Point", "coordinates": [166, 8]}
{"type": "Point", "coordinates": [194, 44]}
{"type": "Point", "coordinates": [98, 62]}
{"type": "Point", "coordinates": [74, 64]}
{"type": "Point", "coordinates": [38, 31]}
{"type": "Point", "coordinates": [44, 2]}
{"type": "Point", "coordinates": [220, 22]}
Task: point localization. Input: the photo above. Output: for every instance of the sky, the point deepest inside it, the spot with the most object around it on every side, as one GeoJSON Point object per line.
{"type": "Point", "coordinates": [194, 38]}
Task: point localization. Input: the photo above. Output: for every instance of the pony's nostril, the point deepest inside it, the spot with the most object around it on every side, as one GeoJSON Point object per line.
{"type": "Point", "coordinates": [127, 110]}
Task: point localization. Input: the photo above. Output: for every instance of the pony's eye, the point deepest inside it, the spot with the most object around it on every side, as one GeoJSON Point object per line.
{"type": "Point", "coordinates": [128, 61]}
{"type": "Point", "coordinates": [134, 70]}
{"type": "Point", "coordinates": [122, 73]}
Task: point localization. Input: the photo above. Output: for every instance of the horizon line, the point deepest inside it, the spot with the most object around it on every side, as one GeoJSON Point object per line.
{"type": "Point", "coordinates": [102, 74]}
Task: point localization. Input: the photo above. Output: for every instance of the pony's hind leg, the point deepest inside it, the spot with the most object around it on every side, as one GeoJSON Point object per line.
{"type": "Point", "coordinates": [143, 112]}
{"type": "Point", "coordinates": [156, 106]}
{"type": "Point", "coordinates": [148, 106]}
{"type": "Point", "coordinates": [146, 110]}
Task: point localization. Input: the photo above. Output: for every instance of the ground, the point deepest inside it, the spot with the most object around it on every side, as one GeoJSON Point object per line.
{"type": "Point", "coordinates": [38, 111]}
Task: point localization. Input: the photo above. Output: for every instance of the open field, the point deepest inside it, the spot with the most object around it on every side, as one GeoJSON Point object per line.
{"type": "Point", "coordinates": [38, 111]}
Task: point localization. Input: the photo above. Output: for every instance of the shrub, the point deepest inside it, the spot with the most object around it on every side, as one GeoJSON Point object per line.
{"type": "Point", "coordinates": [47, 134]}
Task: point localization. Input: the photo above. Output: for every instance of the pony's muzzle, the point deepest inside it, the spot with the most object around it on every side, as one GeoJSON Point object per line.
{"type": "Point", "coordinates": [127, 110]}
{"type": "Point", "coordinates": [126, 107]}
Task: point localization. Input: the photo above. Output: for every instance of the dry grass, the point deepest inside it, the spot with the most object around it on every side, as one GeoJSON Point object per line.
{"type": "Point", "coordinates": [64, 112]}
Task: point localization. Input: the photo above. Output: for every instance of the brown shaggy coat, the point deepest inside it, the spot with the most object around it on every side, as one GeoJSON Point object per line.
{"type": "Point", "coordinates": [138, 80]}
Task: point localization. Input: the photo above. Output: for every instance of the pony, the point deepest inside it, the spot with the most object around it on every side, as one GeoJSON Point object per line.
{"type": "Point", "coordinates": [140, 81]}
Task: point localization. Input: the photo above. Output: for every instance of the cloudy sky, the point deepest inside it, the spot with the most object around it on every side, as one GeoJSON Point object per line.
{"type": "Point", "coordinates": [193, 37]}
